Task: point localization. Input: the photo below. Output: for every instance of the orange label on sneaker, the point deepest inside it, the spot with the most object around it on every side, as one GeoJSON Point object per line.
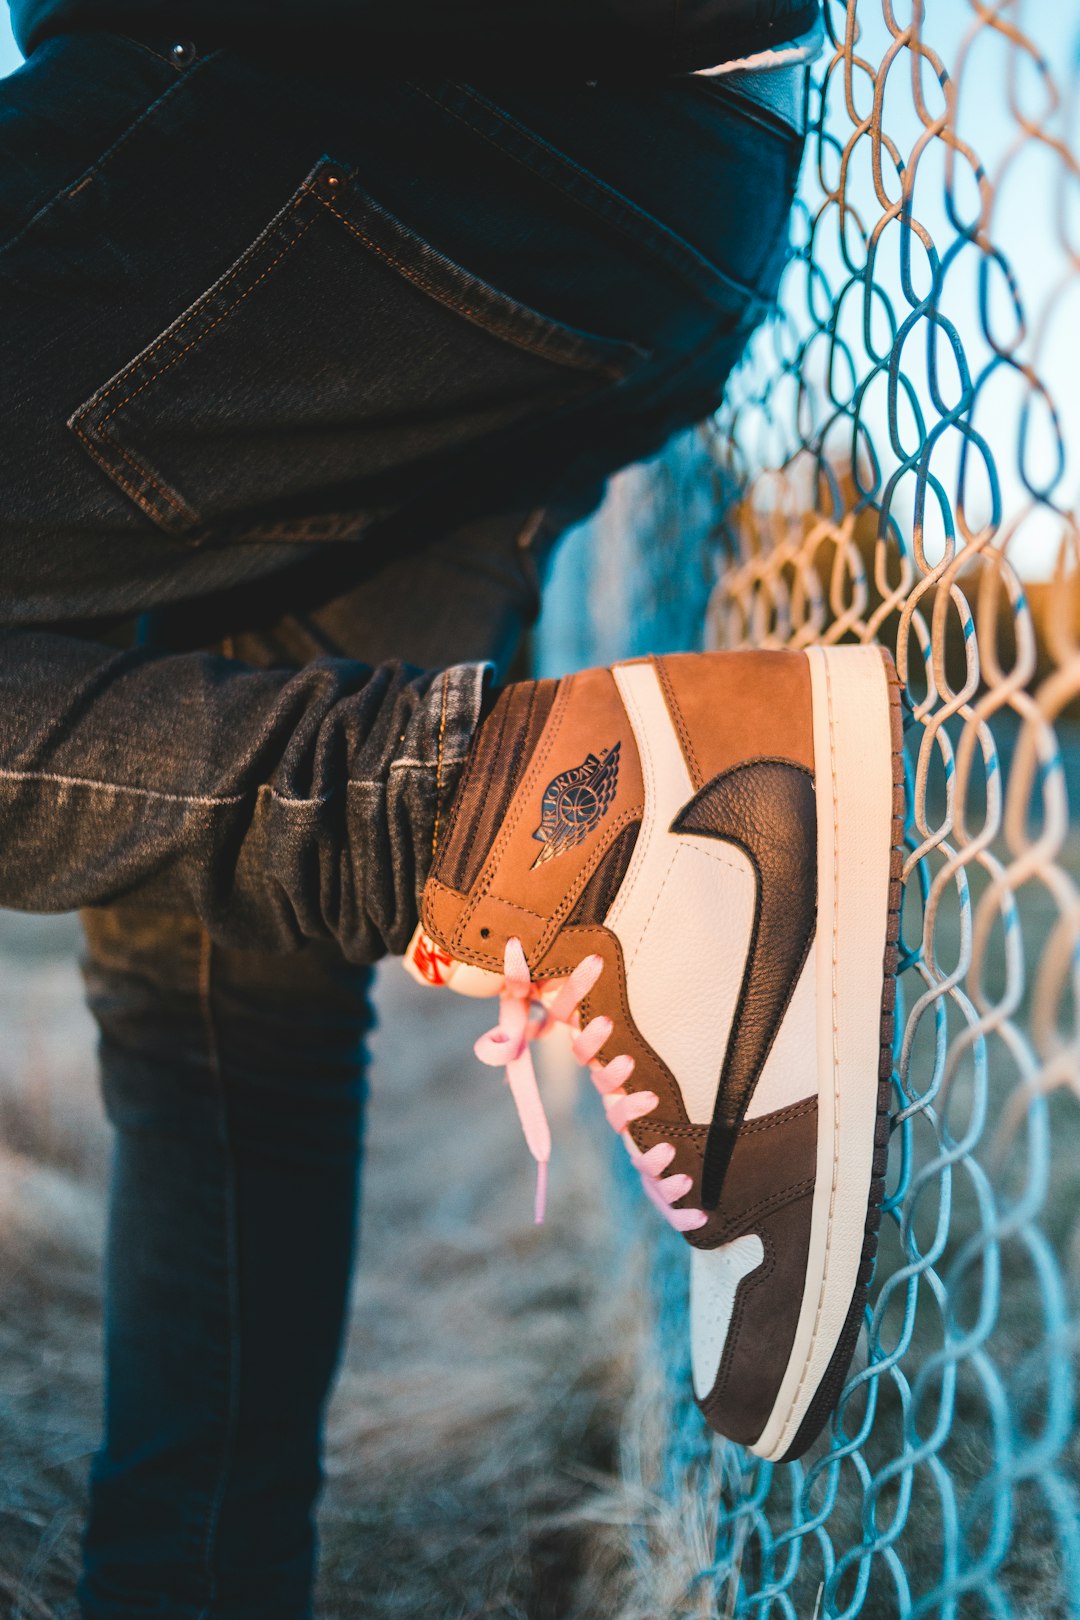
{"type": "Point", "coordinates": [428, 959]}
{"type": "Point", "coordinates": [428, 963]}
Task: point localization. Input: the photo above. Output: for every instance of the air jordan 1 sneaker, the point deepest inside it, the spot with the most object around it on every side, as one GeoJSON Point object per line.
{"type": "Point", "coordinates": [693, 861]}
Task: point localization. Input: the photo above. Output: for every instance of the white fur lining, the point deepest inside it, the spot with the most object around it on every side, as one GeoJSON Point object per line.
{"type": "Point", "coordinates": [795, 51]}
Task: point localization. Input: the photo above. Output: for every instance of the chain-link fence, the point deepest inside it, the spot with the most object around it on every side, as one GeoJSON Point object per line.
{"type": "Point", "coordinates": [905, 436]}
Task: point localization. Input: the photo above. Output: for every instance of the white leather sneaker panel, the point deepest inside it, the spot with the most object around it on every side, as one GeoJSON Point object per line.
{"type": "Point", "coordinates": [683, 914]}
{"type": "Point", "coordinates": [715, 1275]}
{"type": "Point", "coordinates": [686, 971]}
{"type": "Point", "coordinates": [667, 784]}
{"type": "Point", "coordinates": [790, 1072]}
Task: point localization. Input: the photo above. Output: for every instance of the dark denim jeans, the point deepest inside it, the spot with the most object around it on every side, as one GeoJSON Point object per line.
{"type": "Point", "coordinates": [266, 328]}
{"type": "Point", "coordinates": [235, 1082]}
{"type": "Point", "coordinates": [304, 368]}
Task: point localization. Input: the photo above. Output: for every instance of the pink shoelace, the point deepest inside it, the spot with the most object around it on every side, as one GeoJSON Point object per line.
{"type": "Point", "coordinates": [527, 1012]}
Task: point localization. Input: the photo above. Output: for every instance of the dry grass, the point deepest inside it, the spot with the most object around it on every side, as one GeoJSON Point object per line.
{"type": "Point", "coordinates": [473, 1435]}
{"type": "Point", "coordinates": [501, 1438]}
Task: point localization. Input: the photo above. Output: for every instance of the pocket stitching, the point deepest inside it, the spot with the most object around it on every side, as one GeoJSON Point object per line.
{"type": "Point", "coordinates": [679, 254]}
{"type": "Point", "coordinates": [153, 494]}
{"type": "Point", "coordinates": [138, 495]}
{"type": "Point", "coordinates": [147, 355]}
{"type": "Point", "coordinates": [149, 474]}
{"type": "Point", "coordinates": [609, 368]}
{"type": "Point", "coordinates": [97, 167]}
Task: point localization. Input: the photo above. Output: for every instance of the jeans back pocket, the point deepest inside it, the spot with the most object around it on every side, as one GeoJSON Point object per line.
{"type": "Point", "coordinates": [337, 362]}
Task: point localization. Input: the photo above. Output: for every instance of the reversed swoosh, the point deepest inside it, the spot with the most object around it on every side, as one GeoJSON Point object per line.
{"type": "Point", "coordinates": [768, 808]}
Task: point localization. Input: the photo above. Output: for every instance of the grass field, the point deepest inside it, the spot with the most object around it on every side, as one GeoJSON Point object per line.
{"type": "Point", "coordinates": [472, 1432]}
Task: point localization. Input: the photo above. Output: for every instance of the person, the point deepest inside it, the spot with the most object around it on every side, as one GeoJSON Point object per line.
{"type": "Point", "coordinates": [321, 324]}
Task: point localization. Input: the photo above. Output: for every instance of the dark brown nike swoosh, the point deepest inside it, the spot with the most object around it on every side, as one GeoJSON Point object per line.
{"type": "Point", "coordinates": [768, 809]}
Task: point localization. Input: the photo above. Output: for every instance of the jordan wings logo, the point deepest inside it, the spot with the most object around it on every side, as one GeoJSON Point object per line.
{"type": "Point", "coordinates": [768, 808]}
{"type": "Point", "coordinates": [575, 802]}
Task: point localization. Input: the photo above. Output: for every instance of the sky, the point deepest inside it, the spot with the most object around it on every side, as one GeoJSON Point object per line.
{"type": "Point", "coordinates": [9, 55]}
{"type": "Point", "coordinates": [999, 88]}
{"type": "Point", "coordinates": [1024, 228]}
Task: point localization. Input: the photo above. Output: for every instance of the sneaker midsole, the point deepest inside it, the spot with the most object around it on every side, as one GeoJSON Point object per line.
{"type": "Point", "coordinates": [854, 774]}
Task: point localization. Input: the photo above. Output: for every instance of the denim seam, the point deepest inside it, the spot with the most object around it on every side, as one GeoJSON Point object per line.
{"type": "Point", "coordinates": [439, 763]}
{"type": "Point", "coordinates": [214, 1056]}
{"type": "Point", "coordinates": [99, 163]}
{"type": "Point", "coordinates": [367, 784]}
{"type": "Point", "coordinates": [715, 90]}
{"type": "Point", "coordinates": [180, 506]}
{"type": "Point", "coordinates": [186, 320]}
{"type": "Point", "coordinates": [330, 527]}
{"type": "Point", "coordinates": [144, 45]}
{"type": "Point", "coordinates": [601, 199]}
{"type": "Point", "coordinates": [457, 809]}
{"type": "Point", "coordinates": [8, 775]}
{"type": "Point", "coordinates": [210, 802]}
{"type": "Point", "coordinates": [583, 360]}
{"type": "Point", "coordinates": [169, 496]}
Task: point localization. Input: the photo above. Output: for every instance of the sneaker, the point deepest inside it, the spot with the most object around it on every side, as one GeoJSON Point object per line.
{"type": "Point", "coordinates": [693, 859]}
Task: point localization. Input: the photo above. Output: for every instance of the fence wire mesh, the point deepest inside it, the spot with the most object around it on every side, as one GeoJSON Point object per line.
{"type": "Point", "coordinates": [904, 439]}
{"type": "Point", "coordinates": [897, 460]}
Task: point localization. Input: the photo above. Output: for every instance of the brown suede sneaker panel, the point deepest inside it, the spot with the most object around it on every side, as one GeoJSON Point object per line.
{"type": "Point", "coordinates": [775, 1160]}
{"type": "Point", "coordinates": [497, 760]}
{"type": "Point", "coordinates": [596, 898]}
{"type": "Point", "coordinates": [764, 1320]}
{"type": "Point", "coordinates": [729, 707]}
{"type": "Point", "coordinates": [581, 788]}
{"type": "Point", "coordinates": [775, 1155]}
{"type": "Point", "coordinates": [609, 998]}
{"type": "Point", "coordinates": [440, 913]}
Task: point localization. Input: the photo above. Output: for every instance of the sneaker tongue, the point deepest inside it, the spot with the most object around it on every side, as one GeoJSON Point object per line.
{"type": "Point", "coordinates": [428, 963]}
